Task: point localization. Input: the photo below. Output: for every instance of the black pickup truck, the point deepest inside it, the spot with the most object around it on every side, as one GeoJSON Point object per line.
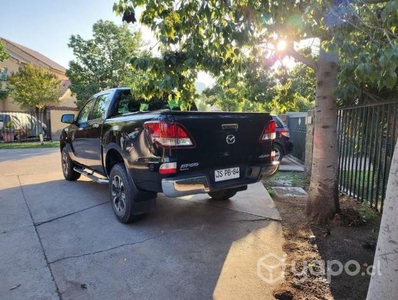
{"type": "Point", "coordinates": [141, 148]}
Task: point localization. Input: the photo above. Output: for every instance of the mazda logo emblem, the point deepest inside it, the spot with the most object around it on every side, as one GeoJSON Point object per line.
{"type": "Point", "coordinates": [230, 139]}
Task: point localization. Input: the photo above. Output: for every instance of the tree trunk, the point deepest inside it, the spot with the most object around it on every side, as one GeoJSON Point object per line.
{"type": "Point", "coordinates": [384, 280]}
{"type": "Point", "coordinates": [39, 118]}
{"type": "Point", "coordinates": [323, 200]}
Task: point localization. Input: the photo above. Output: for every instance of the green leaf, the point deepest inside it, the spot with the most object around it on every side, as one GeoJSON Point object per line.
{"type": "Point", "coordinates": [33, 87]}
{"type": "Point", "coordinates": [391, 79]}
{"type": "Point", "coordinates": [110, 58]}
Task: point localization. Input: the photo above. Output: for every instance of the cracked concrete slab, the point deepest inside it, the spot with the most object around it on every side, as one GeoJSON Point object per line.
{"type": "Point", "coordinates": [291, 192]}
{"type": "Point", "coordinates": [13, 211]}
{"type": "Point", "coordinates": [188, 248]}
{"type": "Point", "coordinates": [24, 271]}
{"type": "Point", "coordinates": [30, 161]}
{"type": "Point", "coordinates": [205, 252]}
{"type": "Point", "coordinates": [50, 196]}
{"type": "Point", "coordinates": [255, 200]}
{"type": "Point", "coordinates": [169, 216]}
{"type": "Point", "coordinates": [290, 163]}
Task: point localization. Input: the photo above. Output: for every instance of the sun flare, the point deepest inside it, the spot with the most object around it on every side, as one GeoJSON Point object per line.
{"type": "Point", "coordinates": [281, 46]}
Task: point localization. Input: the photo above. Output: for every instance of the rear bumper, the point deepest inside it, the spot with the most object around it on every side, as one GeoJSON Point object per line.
{"type": "Point", "coordinates": [199, 184]}
{"type": "Point", "coordinates": [185, 186]}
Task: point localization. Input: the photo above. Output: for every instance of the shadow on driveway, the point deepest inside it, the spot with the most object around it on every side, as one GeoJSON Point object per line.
{"type": "Point", "coordinates": [60, 239]}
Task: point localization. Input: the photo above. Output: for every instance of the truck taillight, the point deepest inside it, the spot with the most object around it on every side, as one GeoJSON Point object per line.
{"type": "Point", "coordinates": [269, 132]}
{"type": "Point", "coordinates": [168, 134]}
{"type": "Point", "coordinates": [284, 132]}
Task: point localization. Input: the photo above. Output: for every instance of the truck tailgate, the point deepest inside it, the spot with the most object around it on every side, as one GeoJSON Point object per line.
{"type": "Point", "coordinates": [223, 138]}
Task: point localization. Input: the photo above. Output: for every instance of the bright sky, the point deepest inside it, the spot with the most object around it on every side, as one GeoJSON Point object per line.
{"type": "Point", "coordinates": [47, 25]}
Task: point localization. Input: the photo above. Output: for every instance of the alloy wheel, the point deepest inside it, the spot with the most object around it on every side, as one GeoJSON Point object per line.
{"type": "Point", "coordinates": [118, 195]}
{"type": "Point", "coordinates": [65, 164]}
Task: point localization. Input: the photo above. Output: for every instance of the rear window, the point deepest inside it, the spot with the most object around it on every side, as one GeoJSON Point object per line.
{"type": "Point", "coordinates": [126, 103]}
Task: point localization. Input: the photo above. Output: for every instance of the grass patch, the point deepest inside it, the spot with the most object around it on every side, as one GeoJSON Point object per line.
{"type": "Point", "coordinates": [361, 179]}
{"type": "Point", "coordinates": [270, 191]}
{"type": "Point", "coordinates": [296, 179]}
{"type": "Point", "coordinates": [28, 145]}
{"type": "Point", "coordinates": [367, 212]}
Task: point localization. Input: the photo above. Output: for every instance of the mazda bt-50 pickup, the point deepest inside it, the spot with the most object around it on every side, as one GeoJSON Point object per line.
{"type": "Point", "coordinates": [141, 148]}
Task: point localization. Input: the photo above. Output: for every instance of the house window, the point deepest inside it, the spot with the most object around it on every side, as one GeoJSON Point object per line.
{"type": "Point", "coordinates": [3, 74]}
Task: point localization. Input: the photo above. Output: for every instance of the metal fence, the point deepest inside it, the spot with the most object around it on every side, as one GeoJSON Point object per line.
{"type": "Point", "coordinates": [24, 126]}
{"type": "Point", "coordinates": [367, 136]}
{"type": "Point", "coordinates": [297, 128]}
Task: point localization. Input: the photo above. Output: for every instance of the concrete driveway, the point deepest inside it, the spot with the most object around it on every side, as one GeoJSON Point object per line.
{"type": "Point", "coordinates": [60, 240]}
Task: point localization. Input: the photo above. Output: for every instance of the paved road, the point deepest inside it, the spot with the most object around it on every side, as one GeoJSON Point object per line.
{"type": "Point", "coordinates": [60, 240]}
{"type": "Point", "coordinates": [290, 163]}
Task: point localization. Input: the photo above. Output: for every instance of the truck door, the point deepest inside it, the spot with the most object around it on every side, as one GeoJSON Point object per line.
{"type": "Point", "coordinates": [93, 132]}
{"type": "Point", "coordinates": [79, 133]}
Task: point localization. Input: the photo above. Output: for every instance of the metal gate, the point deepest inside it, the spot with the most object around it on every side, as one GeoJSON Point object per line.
{"type": "Point", "coordinates": [367, 136]}
{"type": "Point", "coordinates": [298, 129]}
{"type": "Point", "coordinates": [24, 126]}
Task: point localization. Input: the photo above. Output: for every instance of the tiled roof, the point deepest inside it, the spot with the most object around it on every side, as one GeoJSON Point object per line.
{"type": "Point", "coordinates": [67, 108]}
{"type": "Point", "coordinates": [52, 64]}
{"type": "Point", "coordinates": [18, 57]}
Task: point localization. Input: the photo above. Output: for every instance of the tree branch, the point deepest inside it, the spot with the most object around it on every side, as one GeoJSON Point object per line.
{"type": "Point", "coordinates": [375, 1]}
{"type": "Point", "coordinates": [301, 58]}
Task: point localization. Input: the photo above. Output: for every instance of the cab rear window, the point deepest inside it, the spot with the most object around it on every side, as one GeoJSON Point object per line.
{"type": "Point", "coordinates": [126, 103]}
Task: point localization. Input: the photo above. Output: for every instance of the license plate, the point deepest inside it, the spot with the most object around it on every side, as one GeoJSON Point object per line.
{"type": "Point", "coordinates": [226, 174]}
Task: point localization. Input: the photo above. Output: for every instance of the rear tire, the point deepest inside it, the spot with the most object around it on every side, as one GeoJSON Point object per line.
{"type": "Point", "coordinates": [67, 166]}
{"type": "Point", "coordinates": [278, 152]}
{"type": "Point", "coordinates": [123, 192]}
{"type": "Point", "coordinates": [222, 195]}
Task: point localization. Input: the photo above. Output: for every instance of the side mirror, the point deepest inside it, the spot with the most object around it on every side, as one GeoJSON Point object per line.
{"type": "Point", "coordinates": [68, 118]}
